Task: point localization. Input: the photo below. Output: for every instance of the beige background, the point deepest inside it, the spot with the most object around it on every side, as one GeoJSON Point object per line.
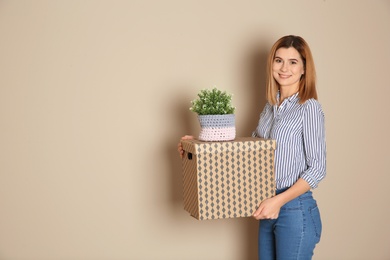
{"type": "Point", "coordinates": [94, 96]}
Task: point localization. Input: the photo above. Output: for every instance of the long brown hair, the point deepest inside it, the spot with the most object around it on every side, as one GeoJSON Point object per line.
{"type": "Point", "coordinates": [307, 84]}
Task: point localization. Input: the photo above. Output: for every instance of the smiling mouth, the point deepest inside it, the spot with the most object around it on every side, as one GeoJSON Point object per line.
{"type": "Point", "coordinates": [284, 76]}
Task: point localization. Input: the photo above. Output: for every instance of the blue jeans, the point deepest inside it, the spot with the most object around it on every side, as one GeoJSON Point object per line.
{"type": "Point", "coordinates": [294, 234]}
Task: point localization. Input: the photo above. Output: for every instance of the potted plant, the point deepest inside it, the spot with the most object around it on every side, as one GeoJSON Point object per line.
{"type": "Point", "coordinates": [215, 114]}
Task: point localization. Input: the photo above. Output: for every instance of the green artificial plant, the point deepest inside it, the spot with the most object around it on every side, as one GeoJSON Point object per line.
{"type": "Point", "coordinates": [213, 102]}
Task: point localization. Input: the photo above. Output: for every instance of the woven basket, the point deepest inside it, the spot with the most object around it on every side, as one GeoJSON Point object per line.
{"type": "Point", "coordinates": [217, 127]}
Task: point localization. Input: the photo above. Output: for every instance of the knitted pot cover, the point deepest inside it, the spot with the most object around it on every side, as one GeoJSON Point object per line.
{"type": "Point", "coordinates": [217, 127]}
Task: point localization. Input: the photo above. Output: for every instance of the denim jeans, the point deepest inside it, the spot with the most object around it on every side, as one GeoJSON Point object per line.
{"type": "Point", "coordinates": [294, 234]}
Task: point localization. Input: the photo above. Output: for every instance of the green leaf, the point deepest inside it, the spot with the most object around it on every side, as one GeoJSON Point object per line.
{"type": "Point", "coordinates": [212, 102]}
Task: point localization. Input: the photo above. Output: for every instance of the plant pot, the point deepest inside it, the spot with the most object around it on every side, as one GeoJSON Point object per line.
{"type": "Point", "coordinates": [217, 127]}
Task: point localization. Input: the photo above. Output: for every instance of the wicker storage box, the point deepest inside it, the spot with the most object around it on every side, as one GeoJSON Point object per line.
{"type": "Point", "coordinates": [227, 179]}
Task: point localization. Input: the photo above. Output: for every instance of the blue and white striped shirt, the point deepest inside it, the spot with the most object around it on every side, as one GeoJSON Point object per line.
{"type": "Point", "coordinates": [299, 131]}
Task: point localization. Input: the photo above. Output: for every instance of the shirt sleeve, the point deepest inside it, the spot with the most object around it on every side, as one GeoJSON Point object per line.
{"type": "Point", "coordinates": [314, 143]}
{"type": "Point", "coordinates": [256, 132]}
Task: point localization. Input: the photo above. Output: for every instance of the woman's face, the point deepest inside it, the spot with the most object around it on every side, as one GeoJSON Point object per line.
{"type": "Point", "coordinates": [288, 67]}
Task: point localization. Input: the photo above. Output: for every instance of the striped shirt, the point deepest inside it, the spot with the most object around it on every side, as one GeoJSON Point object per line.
{"type": "Point", "coordinates": [299, 131]}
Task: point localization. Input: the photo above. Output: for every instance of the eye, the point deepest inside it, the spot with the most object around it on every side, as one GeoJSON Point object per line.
{"type": "Point", "coordinates": [293, 62]}
{"type": "Point", "coordinates": [277, 60]}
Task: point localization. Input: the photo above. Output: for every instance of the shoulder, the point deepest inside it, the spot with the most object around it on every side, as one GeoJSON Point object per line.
{"type": "Point", "coordinates": [268, 105]}
{"type": "Point", "coordinates": [267, 108]}
{"type": "Point", "coordinates": [313, 107]}
{"type": "Point", "coordinates": [312, 104]}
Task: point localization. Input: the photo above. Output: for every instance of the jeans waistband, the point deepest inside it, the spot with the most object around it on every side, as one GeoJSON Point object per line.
{"type": "Point", "coordinates": [278, 191]}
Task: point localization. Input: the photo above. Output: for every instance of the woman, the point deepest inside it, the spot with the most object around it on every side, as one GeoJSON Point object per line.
{"type": "Point", "coordinates": [290, 224]}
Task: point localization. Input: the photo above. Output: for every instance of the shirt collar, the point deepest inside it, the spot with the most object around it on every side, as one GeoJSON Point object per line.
{"type": "Point", "coordinates": [291, 99]}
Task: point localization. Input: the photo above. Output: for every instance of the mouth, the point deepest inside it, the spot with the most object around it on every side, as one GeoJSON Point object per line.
{"type": "Point", "coordinates": [283, 76]}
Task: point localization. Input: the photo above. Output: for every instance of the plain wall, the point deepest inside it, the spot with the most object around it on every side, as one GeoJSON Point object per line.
{"type": "Point", "coordinates": [94, 96]}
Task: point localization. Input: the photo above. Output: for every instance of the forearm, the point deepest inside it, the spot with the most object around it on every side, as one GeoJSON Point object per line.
{"type": "Point", "coordinates": [297, 189]}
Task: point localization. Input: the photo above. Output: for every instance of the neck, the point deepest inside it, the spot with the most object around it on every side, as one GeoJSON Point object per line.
{"type": "Point", "coordinates": [286, 93]}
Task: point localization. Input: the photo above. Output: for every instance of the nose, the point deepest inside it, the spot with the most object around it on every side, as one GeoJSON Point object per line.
{"type": "Point", "coordinates": [284, 66]}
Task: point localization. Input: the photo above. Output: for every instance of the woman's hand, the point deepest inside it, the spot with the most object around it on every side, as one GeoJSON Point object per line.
{"type": "Point", "coordinates": [180, 147]}
{"type": "Point", "coordinates": [268, 209]}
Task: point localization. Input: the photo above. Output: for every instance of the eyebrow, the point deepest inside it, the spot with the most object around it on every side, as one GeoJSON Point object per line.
{"type": "Point", "coordinates": [277, 57]}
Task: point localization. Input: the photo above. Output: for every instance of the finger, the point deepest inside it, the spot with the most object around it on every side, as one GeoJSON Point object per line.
{"type": "Point", "coordinates": [187, 137]}
{"type": "Point", "coordinates": [180, 150]}
{"type": "Point", "coordinates": [259, 217]}
{"type": "Point", "coordinates": [257, 212]}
